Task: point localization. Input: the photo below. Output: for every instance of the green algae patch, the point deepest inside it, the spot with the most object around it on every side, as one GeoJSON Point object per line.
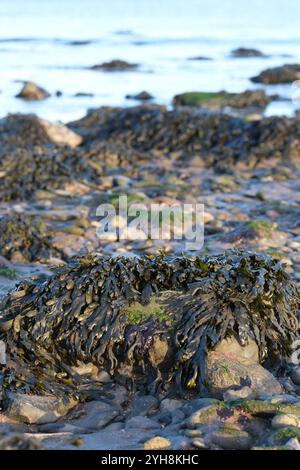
{"type": "Point", "coordinates": [138, 313]}
{"type": "Point", "coordinates": [263, 227]}
{"type": "Point", "coordinates": [198, 98]}
{"type": "Point", "coordinates": [10, 273]}
{"type": "Point", "coordinates": [284, 434]}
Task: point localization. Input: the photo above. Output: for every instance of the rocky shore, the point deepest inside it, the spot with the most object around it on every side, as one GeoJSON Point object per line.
{"type": "Point", "coordinates": [140, 344]}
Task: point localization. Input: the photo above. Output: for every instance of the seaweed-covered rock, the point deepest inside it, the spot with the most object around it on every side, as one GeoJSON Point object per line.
{"type": "Point", "coordinates": [21, 130]}
{"type": "Point", "coordinates": [23, 171]}
{"type": "Point", "coordinates": [24, 238]}
{"type": "Point", "coordinates": [115, 65]}
{"type": "Point", "coordinates": [284, 74]}
{"type": "Point", "coordinates": [217, 140]}
{"type": "Point", "coordinates": [32, 92]}
{"type": "Point", "coordinates": [249, 98]}
{"type": "Point", "coordinates": [83, 312]}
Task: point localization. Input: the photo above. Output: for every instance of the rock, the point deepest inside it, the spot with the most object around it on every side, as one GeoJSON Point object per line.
{"type": "Point", "coordinates": [199, 443]}
{"type": "Point", "coordinates": [143, 405]}
{"type": "Point", "coordinates": [284, 74]}
{"type": "Point", "coordinates": [32, 92]}
{"type": "Point", "coordinates": [295, 375]}
{"type": "Point", "coordinates": [282, 435]}
{"type": "Point", "coordinates": [200, 57]}
{"type": "Point", "coordinates": [115, 66]}
{"type": "Point", "coordinates": [2, 353]}
{"type": "Point", "coordinates": [231, 346]}
{"type": "Point", "coordinates": [242, 393]}
{"type": "Point", "coordinates": [231, 439]}
{"type": "Point", "coordinates": [267, 408]}
{"type": "Point", "coordinates": [60, 134]}
{"type": "Point", "coordinates": [33, 409]}
{"type": "Point", "coordinates": [19, 442]}
{"type": "Point", "coordinates": [27, 129]}
{"type": "Point", "coordinates": [169, 404]}
{"type": "Point", "coordinates": [207, 415]}
{"type": "Point", "coordinates": [141, 422]}
{"type": "Point", "coordinates": [282, 420]}
{"type": "Point", "coordinates": [222, 99]}
{"type": "Point", "coordinates": [246, 53]}
{"type": "Point", "coordinates": [82, 94]}
{"type": "Point", "coordinates": [230, 366]}
{"type": "Point", "coordinates": [293, 444]}
{"type": "Point", "coordinates": [97, 415]}
{"type": "Point", "coordinates": [194, 405]}
{"type": "Point", "coordinates": [157, 443]}
{"type": "Point", "coordinates": [142, 96]}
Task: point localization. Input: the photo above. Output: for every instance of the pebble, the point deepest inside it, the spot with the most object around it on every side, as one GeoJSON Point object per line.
{"type": "Point", "coordinates": [231, 439]}
{"type": "Point", "coordinates": [157, 443]}
{"type": "Point", "coordinates": [142, 423]}
{"type": "Point", "coordinates": [199, 443]}
{"type": "Point", "coordinates": [295, 376]}
{"type": "Point", "coordinates": [282, 420]}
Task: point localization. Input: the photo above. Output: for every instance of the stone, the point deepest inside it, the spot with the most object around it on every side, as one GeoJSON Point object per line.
{"type": "Point", "coordinates": [97, 415]}
{"type": "Point", "coordinates": [194, 405]}
{"type": "Point", "coordinates": [231, 439]}
{"type": "Point", "coordinates": [32, 92]}
{"type": "Point", "coordinates": [2, 353]}
{"type": "Point", "coordinates": [245, 53]}
{"type": "Point", "coordinates": [169, 404]}
{"type": "Point", "coordinates": [293, 444]}
{"type": "Point", "coordinates": [231, 346]}
{"type": "Point", "coordinates": [231, 366]}
{"type": "Point", "coordinates": [287, 73]}
{"type": "Point", "coordinates": [142, 96]}
{"type": "Point", "coordinates": [207, 415]}
{"type": "Point", "coordinates": [33, 409]}
{"type": "Point", "coordinates": [282, 420]}
{"type": "Point", "coordinates": [115, 65]}
{"type": "Point", "coordinates": [142, 423]}
{"type": "Point", "coordinates": [199, 443]}
{"type": "Point", "coordinates": [60, 134]}
{"type": "Point", "coordinates": [157, 443]}
{"type": "Point", "coordinates": [295, 376]}
{"type": "Point", "coordinates": [19, 442]}
{"type": "Point", "coordinates": [143, 405]}
{"type": "Point", "coordinates": [242, 393]}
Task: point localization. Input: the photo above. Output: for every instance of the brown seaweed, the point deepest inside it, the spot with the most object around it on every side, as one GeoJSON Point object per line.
{"type": "Point", "coordinates": [26, 237]}
{"type": "Point", "coordinates": [79, 315]}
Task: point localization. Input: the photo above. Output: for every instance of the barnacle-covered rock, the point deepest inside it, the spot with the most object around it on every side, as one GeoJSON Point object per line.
{"type": "Point", "coordinates": [25, 238]}
{"type": "Point", "coordinates": [80, 314]}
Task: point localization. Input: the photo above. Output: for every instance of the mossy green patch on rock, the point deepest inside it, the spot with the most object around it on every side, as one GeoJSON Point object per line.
{"type": "Point", "coordinates": [264, 227]}
{"type": "Point", "coordinates": [137, 313]}
{"type": "Point", "coordinates": [198, 98]}
{"type": "Point", "coordinates": [283, 435]}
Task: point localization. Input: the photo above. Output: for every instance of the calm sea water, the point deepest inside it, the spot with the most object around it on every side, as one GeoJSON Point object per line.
{"type": "Point", "coordinates": [36, 44]}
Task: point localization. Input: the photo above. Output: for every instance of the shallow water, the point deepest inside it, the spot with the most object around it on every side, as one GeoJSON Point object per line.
{"type": "Point", "coordinates": [35, 44]}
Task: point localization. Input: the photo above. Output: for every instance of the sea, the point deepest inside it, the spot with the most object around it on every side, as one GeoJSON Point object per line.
{"type": "Point", "coordinates": [55, 42]}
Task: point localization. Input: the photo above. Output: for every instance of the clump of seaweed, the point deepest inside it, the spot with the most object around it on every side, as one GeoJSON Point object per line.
{"type": "Point", "coordinates": [218, 140]}
{"type": "Point", "coordinates": [26, 238]}
{"type": "Point", "coordinates": [80, 313]}
{"type": "Point", "coordinates": [25, 170]}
